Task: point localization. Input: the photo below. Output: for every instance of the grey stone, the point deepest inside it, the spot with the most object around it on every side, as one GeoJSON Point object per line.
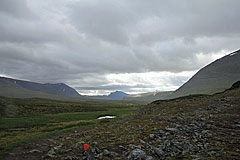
{"type": "Point", "coordinates": [171, 129]}
{"type": "Point", "coordinates": [71, 158]}
{"type": "Point", "coordinates": [161, 132]}
{"type": "Point", "coordinates": [90, 155]}
{"type": "Point", "coordinates": [132, 146]}
{"type": "Point", "coordinates": [97, 150]}
{"type": "Point", "coordinates": [158, 151]}
{"type": "Point", "coordinates": [149, 158]}
{"type": "Point", "coordinates": [50, 156]}
{"type": "Point", "coordinates": [142, 141]}
{"type": "Point", "coordinates": [106, 152]}
{"type": "Point", "coordinates": [211, 153]}
{"type": "Point", "coordinates": [151, 136]}
{"type": "Point", "coordinates": [52, 151]}
{"type": "Point", "coordinates": [137, 154]}
{"type": "Point", "coordinates": [34, 151]}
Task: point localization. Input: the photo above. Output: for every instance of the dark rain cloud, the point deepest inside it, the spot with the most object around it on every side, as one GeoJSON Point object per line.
{"type": "Point", "coordinates": [81, 42]}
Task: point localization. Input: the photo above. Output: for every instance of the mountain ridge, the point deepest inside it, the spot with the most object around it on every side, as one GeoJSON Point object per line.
{"type": "Point", "coordinates": [213, 78]}
{"type": "Point", "coordinates": [59, 89]}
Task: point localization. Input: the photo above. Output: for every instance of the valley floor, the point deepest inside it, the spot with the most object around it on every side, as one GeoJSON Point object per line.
{"type": "Point", "coordinates": [194, 127]}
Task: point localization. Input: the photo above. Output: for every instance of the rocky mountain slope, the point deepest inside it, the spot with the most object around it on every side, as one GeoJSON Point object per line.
{"type": "Point", "coordinates": [193, 127]}
{"type": "Point", "coordinates": [59, 89]}
{"type": "Point", "coordinates": [215, 77]}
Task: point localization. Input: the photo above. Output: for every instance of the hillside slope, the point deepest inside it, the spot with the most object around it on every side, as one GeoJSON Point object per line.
{"type": "Point", "coordinates": [148, 97]}
{"type": "Point", "coordinates": [215, 77]}
{"type": "Point", "coordinates": [193, 127]}
{"type": "Point", "coordinates": [60, 89]}
{"type": "Point", "coordinates": [12, 90]}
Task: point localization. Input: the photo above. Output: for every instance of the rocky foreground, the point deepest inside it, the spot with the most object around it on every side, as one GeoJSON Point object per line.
{"type": "Point", "coordinates": [196, 127]}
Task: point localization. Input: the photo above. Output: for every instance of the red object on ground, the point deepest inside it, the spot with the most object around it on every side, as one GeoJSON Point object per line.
{"type": "Point", "coordinates": [85, 146]}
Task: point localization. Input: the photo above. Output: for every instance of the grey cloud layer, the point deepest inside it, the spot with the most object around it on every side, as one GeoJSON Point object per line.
{"type": "Point", "coordinates": [113, 87]}
{"type": "Point", "coordinates": [62, 40]}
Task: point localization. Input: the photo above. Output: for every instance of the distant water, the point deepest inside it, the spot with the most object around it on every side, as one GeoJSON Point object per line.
{"type": "Point", "coordinates": [104, 117]}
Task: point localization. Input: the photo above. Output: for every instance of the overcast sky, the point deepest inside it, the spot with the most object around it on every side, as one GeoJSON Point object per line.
{"type": "Point", "coordinates": [98, 46]}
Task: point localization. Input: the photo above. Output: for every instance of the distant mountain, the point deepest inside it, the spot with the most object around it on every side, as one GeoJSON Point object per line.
{"type": "Point", "coordinates": [12, 90]}
{"type": "Point", "coordinates": [215, 77]}
{"type": "Point", "coordinates": [117, 95]}
{"type": "Point", "coordinates": [59, 89]}
{"type": "Point", "coordinates": [148, 97]}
